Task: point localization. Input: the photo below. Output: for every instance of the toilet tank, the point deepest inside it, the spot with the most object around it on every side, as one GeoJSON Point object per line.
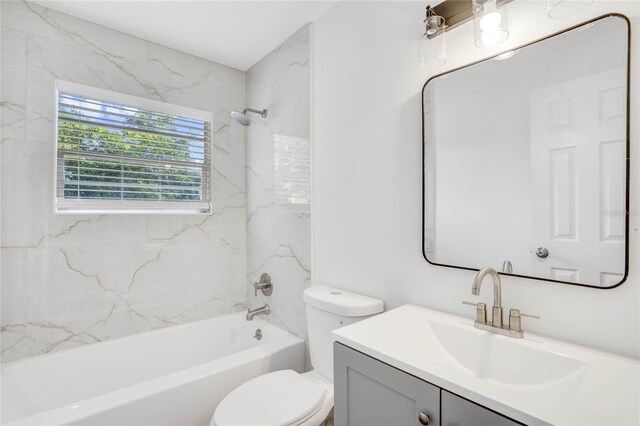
{"type": "Point", "coordinates": [327, 309]}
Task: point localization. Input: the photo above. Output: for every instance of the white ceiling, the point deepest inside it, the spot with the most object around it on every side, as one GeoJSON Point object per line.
{"type": "Point", "coordinates": [234, 33]}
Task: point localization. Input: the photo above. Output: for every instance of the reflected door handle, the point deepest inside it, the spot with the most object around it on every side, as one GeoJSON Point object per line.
{"type": "Point", "coordinates": [542, 252]}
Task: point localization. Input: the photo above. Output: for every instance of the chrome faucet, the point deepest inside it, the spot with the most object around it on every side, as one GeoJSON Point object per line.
{"type": "Point", "coordinates": [496, 312]}
{"type": "Point", "coordinates": [264, 310]}
{"type": "Point", "coordinates": [507, 267]}
{"type": "Point", "coordinates": [514, 329]}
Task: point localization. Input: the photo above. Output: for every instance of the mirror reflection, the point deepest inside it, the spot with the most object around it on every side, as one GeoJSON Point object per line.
{"type": "Point", "coordinates": [525, 159]}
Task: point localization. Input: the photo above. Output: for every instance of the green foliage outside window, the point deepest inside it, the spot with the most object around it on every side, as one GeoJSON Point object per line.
{"type": "Point", "coordinates": [128, 164]}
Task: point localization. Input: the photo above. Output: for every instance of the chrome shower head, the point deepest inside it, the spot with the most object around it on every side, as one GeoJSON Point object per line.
{"type": "Point", "coordinates": [241, 117]}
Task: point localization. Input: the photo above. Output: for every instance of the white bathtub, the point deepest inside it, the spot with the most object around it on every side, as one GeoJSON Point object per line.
{"type": "Point", "coordinates": [172, 376]}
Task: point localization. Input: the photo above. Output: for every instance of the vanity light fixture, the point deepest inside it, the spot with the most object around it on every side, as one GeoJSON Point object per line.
{"type": "Point", "coordinates": [564, 8]}
{"type": "Point", "coordinates": [490, 21]}
{"type": "Point", "coordinates": [432, 51]}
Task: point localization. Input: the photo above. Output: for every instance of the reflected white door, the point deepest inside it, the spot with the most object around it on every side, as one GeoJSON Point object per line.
{"type": "Point", "coordinates": [578, 159]}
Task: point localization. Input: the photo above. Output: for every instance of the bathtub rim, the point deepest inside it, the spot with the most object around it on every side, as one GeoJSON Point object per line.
{"type": "Point", "coordinates": [78, 410]}
{"type": "Point", "coordinates": [156, 331]}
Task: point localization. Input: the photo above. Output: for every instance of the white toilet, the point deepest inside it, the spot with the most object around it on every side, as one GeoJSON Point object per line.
{"type": "Point", "coordinates": [290, 398]}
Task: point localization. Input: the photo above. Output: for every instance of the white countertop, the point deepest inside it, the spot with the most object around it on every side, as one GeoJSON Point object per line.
{"type": "Point", "coordinates": [604, 391]}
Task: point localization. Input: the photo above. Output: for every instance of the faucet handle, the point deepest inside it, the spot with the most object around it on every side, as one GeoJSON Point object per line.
{"type": "Point", "coordinates": [514, 319]}
{"type": "Point", "coordinates": [264, 285]}
{"type": "Point", "coordinates": [481, 311]}
{"type": "Point", "coordinates": [517, 313]}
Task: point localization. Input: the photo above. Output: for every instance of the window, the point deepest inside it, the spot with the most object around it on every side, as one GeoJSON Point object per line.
{"type": "Point", "coordinates": [124, 154]}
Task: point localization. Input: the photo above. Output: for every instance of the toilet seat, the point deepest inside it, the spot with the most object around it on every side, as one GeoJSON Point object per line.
{"type": "Point", "coordinates": [283, 398]}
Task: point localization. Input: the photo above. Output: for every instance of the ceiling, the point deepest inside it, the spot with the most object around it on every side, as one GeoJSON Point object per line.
{"type": "Point", "coordinates": [234, 33]}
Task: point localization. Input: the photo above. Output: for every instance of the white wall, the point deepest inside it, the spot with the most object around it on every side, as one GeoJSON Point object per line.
{"type": "Point", "coordinates": [366, 219]}
{"type": "Point", "coordinates": [69, 280]}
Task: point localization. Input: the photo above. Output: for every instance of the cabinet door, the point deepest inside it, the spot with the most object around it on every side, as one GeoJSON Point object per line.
{"type": "Point", "coordinates": [457, 411]}
{"type": "Point", "coordinates": [369, 392]}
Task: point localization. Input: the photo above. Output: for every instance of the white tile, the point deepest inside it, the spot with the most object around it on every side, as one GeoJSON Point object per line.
{"type": "Point", "coordinates": [62, 293]}
{"type": "Point", "coordinates": [56, 26]}
{"type": "Point", "coordinates": [12, 86]}
{"type": "Point", "coordinates": [117, 267]}
{"type": "Point", "coordinates": [71, 280]}
{"type": "Point", "coordinates": [278, 235]}
{"type": "Point", "coordinates": [228, 142]}
{"type": "Point", "coordinates": [290, 277]}
{"type": "Point", "coordinates": [190, 277]}
{"type": "Point", "coordinates": [176, 227]}
{"type": "Point", "coordinates": [49, 60]}
{"type": "Point", "coordinates": [16, 343]}
{"type": "Point", "coordinates": [61, 304]}
{"type": "Point", "coordinates": [228, 186]}
{"type": "Point", "coordinates": [192, 67]}
{"type": "Point", "coordinates": [13, 289]}
{"type": "Point", "coordinates": [27, 192]}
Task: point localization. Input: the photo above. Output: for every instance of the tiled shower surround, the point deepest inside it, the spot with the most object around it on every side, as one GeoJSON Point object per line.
{"type": "Point", "coordinates": [279, 180]}
{"type": "Point", "coordinates": [69, 280]}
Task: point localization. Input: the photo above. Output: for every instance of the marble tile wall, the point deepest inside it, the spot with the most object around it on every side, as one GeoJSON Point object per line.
{"type": "Point", "coordinates": [278, 180]}
{"type": "Point", "coordinates": [71, 280]}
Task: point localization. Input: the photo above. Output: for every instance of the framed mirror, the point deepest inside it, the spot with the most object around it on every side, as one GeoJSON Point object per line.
{"type": "Point", "coordinates": [526, 159]}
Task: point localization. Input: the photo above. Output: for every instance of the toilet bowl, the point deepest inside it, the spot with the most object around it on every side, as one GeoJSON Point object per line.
{"type": "Point", "coordinates": [286, 397]}
{"type": "Point", "coordinates": [280, 398]}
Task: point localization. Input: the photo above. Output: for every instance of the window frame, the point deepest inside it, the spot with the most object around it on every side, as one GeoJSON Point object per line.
{"type": "Point", "coordinates": [62, 206]}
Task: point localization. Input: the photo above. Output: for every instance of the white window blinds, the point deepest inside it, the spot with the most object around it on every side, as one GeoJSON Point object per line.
{"type": "Point", "coordinates": [119, 153]}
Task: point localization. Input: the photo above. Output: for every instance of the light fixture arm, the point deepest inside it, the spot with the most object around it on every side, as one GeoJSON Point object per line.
{"type": "Point", "coordinates": [457, 12]}
{"type": "Point", "coordinates": [434, 23]}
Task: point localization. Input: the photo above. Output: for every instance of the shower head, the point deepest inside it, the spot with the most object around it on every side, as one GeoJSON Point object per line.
{"type": "Point", "coordinates": [241, 117]}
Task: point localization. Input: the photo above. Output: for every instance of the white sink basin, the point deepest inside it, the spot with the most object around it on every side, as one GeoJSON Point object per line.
{"type": "Point", "coordinates": [502, 359]}
{"type": "Point", "coordinates": [534, 380]}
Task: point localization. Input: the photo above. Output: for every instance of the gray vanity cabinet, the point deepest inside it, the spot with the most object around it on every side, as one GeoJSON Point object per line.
{"type": "Point", "coordinates": [369, 392]}
{"type": "Point", "coordinates": [458, 411]}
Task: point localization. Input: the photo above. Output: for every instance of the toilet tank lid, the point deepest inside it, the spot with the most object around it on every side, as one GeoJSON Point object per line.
{"type": "Point", "coordinates": [341, 302]}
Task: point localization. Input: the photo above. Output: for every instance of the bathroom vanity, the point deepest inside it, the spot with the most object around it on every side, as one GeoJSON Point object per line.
{"type": "Point", "coordinates": [379, 394]}
{"type": "Point", "coordinates": [416, 366]}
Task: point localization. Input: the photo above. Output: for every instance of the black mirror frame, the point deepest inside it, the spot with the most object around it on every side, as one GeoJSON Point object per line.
{"type": "Point", "coordinates": [627, 163]}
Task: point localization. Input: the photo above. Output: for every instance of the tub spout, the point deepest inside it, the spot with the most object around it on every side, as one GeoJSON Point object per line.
{"type": "Point", "coordinates": [265, 310]}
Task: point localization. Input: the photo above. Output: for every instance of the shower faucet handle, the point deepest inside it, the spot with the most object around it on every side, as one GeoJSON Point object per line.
{"type": "Point", "coordinates": [264, 285]}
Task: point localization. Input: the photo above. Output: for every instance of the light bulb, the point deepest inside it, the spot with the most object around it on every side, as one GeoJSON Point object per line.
{"type": "Point", "coordinates": [490, 21]}
{"type": "Point", "coordinates": [491, 18]}
{"type": "Point", "coordinates": [490, 38]}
